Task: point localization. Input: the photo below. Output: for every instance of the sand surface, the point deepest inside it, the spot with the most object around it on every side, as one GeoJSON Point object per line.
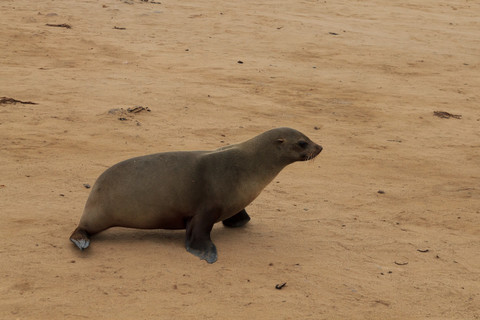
{"type": "Point", "coordinates": [362, 78]}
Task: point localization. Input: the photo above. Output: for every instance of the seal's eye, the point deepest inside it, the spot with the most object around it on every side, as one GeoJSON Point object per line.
{"type": "Point", "coordinates": [302, 144]}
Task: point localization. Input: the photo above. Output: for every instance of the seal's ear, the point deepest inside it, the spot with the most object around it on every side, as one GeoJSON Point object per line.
{"type": "Point", "coordinates": [280, 141]}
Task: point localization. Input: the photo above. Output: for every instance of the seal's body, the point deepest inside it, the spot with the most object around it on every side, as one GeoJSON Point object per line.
{"type": "Point", "coordinates": [190, 190]}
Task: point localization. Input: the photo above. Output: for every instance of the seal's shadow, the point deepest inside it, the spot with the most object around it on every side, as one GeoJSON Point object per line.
{"type": "Point", "coordinates": [125, 235]}
{"type": "Point", "coordinates": [157, 236]}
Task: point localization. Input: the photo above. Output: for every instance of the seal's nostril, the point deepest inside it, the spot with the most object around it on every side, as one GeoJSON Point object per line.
{"type": "Point", "coordinates": [320, 148]}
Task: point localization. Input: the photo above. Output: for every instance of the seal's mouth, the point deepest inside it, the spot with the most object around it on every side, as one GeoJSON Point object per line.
{"type": "Point", "coordinates": [311, 155]}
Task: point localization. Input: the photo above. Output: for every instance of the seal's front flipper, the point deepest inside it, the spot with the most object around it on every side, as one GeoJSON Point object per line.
{"type": "Point", "coordinates": [80, 238]}
{"type": "Point", "coordinates": [205, 251]}
{"type": "Point", "coordinates": [198, 240]}
{"type": "Point", "coordinates": [238, 220]}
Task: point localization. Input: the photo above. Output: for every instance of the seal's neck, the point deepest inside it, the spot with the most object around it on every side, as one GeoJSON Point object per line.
{"type": "Point", "coordinates": [266, 164]}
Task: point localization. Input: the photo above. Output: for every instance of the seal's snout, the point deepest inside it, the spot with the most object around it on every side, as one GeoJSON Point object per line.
{"type": "Point", "coordinates": [314, 151]}
{"type": "Point", "coordinates": [317, 150]}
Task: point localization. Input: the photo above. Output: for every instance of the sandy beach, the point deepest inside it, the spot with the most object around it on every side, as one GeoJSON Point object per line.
{"type": "Point", "coordinates": [384, 224]}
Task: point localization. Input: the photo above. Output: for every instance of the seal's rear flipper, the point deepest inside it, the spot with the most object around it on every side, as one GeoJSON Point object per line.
{"type": "Point", "coordinates": [80, 238]}
{"type": "Point", "coordinates": [238, 220]}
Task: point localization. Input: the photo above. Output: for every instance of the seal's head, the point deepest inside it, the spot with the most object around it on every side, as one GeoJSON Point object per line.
{"type": "Point", "coordinates": [291, 145]}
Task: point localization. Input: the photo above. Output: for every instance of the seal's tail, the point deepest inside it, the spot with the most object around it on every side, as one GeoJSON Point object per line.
{"type": "Point", "coordinates": [80, 238]}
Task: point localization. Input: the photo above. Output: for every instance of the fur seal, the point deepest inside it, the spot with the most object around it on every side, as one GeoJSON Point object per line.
{"type": "Point", "coordinates": [190, 190]}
